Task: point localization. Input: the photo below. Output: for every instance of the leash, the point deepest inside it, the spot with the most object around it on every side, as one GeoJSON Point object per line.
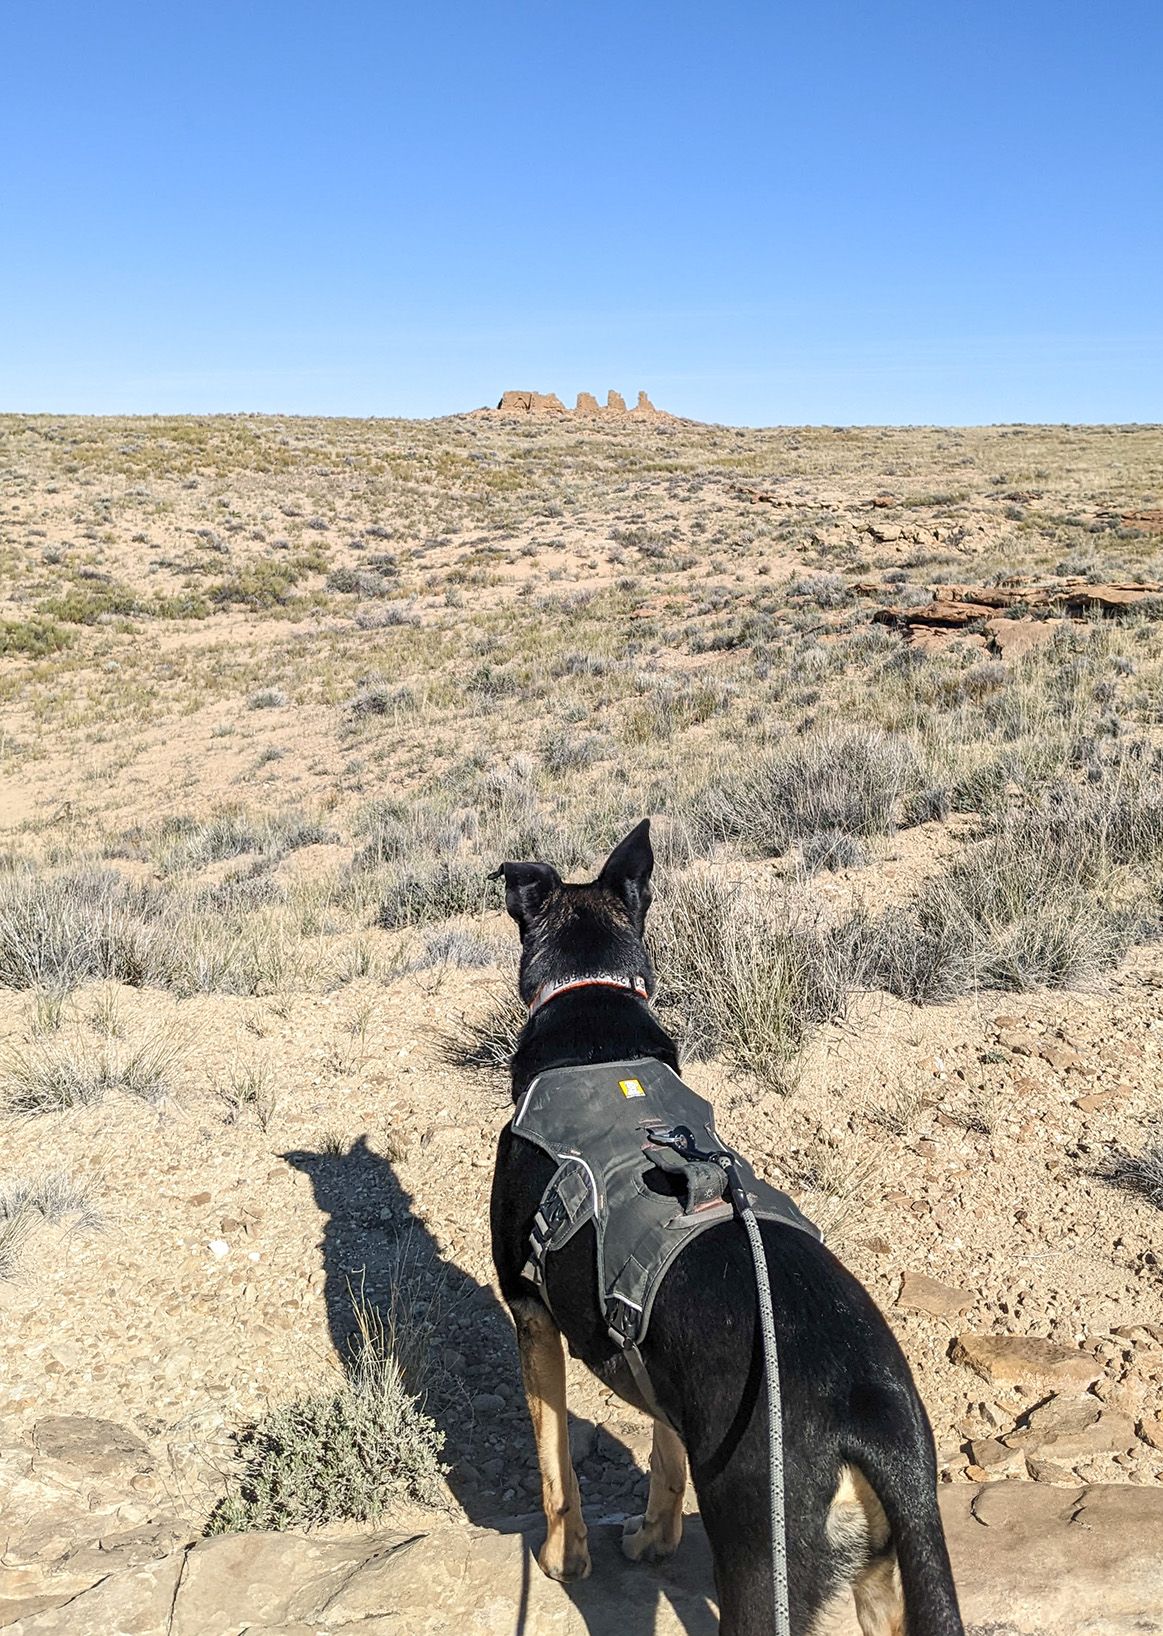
{"type": "Point", "coordinates": [682, 1140]}
{"type": "Point", "coordinates": [746, 1214]}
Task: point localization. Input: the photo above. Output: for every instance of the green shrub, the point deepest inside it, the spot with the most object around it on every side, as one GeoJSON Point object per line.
{"type": "Point", "coordinates": [348, 1454]}
{"type": "Point", "coordinates": [86, 603]}
{"type": "Point", "coordinates": [434, 891]}
{"type": "Point", "coordinates": [32, 638]}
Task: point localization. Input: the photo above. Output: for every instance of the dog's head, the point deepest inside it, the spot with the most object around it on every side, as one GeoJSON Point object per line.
{"type": "Point", "coordinates": [583, 930]}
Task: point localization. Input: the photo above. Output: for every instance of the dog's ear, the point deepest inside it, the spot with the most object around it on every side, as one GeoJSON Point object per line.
{"type": "Point", "coordinates": [527, 885]}
{"type": "Point", "coordinates": [626, 872]}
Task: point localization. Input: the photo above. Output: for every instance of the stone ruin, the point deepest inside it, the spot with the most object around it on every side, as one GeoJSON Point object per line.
{"type": "Point", "coordinates": [587, 406]}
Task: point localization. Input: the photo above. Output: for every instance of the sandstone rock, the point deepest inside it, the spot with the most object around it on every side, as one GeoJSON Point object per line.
{"type": "Point", "coordinates": [1151, 1431]}
{"type": "Point", "coordinates": [587, 404]}
{"type": "Point", "coordinates": [1019, 1040]}
{"type": "Point", "coordinates": [583, 1436]}
{"type": "Point", "coordinates": [531, 403]}
{"type": "Point", "coordinates": [135, 1602]}
{"type": "Point", "coordinates": [1112, 598]}
{"type": "Point", "coordinates": [1067, 1431]}
{"type": "Point", "coordinates": [644, 406]}
{"type": "Point", "coordinates": [1094, 1100]}
{"type": "Point", "coordinates": [1039, 1561]}
{"type": "Point", "coordinates": [920, 1293]}
{"type": "Point", "coordinates": [1058, 1415]}
{"type": "Point", "coordinates": [1030, 1560]}
{"type": "Point", "coordinates": [1055, 1473]}
{"type": "Point", "coordinates": [943, 641]}
{"type": "Point", "coordinates": [98, 1447]}
{"type": "Point", "coordinates": [1060, 1057]}
{"type": "Point", "coordinates": [995, 1459]}
{"type": "Point", "coordinates": [235, 1580]}
{"type": "Point", "coordinates": [1014, 638]}
{"type": "Point", "coordinates": [940, 614]}
{"type": "Point", "coordinates": [1026, 1361]}
{"type": "Point", "coordinates": [615, 402]}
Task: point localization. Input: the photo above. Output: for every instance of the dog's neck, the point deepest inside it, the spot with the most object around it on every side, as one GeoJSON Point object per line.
{"type": "Point", "coordinates": [597, 1021]}
{"type": "Point", "coordinates": [548, 991]}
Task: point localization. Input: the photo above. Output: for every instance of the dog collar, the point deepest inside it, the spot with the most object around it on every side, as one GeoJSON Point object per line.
{"type": "Point", "coordinates": [547, 991]}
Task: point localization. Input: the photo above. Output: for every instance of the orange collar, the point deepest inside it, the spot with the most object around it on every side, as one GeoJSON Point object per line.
{"type": "Point", "coordinates": [548, 991]}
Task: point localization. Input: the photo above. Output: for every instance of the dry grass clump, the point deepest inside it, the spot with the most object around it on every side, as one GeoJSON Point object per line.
{"type": "Point", "coordinates": [839, 783]}
{"type": "Point", "coordinates": [455, 946]}
{"type": "Point", "coordinates": [267, 698]}
{"type": "Point", "coordinates": [59, 931]}
{"type": "Point", "coordinates": [397, 832]}
{"type": "Point", "coordinates": [51, 1196]}
{"type": "Point", "coordinates": [59, 1075]}
{"type": "Point", "coordinates": [435, 891]}
{"type": "Point", "coordinates": [736, 978]}
{"type": "Point", "coordinates": [249, 1089]}
{"type": "Point", "coordinates": [349, 1454]}
{"type": "Point", "coordinates": [382, 698]}
{"type": "Point", "coordinates": [1140, 1173]}
{"type": "Point", "coordinates": [192, 843]}
{"type": "Point", "coordinates": [1055, 897]}
{"type": "Point", "coordinates": [487, 1041]}
{"type": "Point", "coordinates": [830, 849]}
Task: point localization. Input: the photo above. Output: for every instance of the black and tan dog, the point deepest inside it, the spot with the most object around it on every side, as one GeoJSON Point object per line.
{"type": "Point", "coordinates": [860, 1467]}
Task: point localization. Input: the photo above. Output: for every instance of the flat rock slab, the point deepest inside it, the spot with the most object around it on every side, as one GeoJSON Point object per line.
{"type": "Point", "coordinates": [1030, 1560]}
{"type": "Point", "coordinates": [100, 1447]}
{"type": "Point", "coordinates": [920, 1293]}
{"type": "Point", "coordinates": [1027, 1362]}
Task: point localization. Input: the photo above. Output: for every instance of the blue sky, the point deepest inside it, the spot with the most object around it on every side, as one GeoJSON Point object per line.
{"type": "Point", "coordinates": [761, 213]}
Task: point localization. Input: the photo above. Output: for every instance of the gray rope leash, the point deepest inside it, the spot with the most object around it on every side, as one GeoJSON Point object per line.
{"type": "Point", "coordinates": [681, 1139]}
{"type": "Point", "coordinates": [781, 1608]}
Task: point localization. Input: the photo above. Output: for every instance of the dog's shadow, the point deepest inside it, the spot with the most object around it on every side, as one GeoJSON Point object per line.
{"type": "Point", "coordinates": [373, 1243]}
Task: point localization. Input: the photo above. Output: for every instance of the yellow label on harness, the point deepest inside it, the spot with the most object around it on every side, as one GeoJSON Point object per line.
{"type": "Point", "coordinates": [631, 1087]}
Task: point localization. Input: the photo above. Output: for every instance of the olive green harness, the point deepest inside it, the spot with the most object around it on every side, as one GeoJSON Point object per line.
{"type": "Point", "coordinates": [647, 1199]}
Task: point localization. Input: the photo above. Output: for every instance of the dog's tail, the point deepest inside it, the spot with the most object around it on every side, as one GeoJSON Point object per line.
{"type": "Point", "coordinates": [901, 1470]}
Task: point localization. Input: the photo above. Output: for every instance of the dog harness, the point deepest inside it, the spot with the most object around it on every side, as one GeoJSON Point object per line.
{"type": "Point", "coordinates": [637, 1154]}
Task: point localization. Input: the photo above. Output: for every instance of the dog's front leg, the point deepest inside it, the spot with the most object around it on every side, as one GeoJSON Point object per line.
{"type": "Point", "coordinates": [565, 1554]}
{"type": "Point", "coordinates": [657, 1533]}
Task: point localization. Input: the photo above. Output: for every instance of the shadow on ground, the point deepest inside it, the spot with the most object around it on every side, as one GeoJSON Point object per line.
{"type": "Point", "coordinates": [369, 1229]}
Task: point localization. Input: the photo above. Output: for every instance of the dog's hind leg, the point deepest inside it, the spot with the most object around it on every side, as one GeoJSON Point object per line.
{"type": "Point", "coordinates": [880, 1606]}
{"type": "Point", "coordinates": [859, 1532]}
{"type": "Point", "coordinates": [565, 1554]}
{"type": "Point", "coordinates": [656, 1534]}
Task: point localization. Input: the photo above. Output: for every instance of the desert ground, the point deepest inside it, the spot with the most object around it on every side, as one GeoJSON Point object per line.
{"type": "Point", "coordinates": [278, 694]}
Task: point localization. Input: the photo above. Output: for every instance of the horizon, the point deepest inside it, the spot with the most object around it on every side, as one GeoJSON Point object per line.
{"type": "Point", "coordinates": [860, 216]}
{"type": "Point", "coordinates": [668, 418]}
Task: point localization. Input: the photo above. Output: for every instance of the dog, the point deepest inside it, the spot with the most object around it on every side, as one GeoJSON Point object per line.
{"type": "Point", "coordinates": [861, 1484]}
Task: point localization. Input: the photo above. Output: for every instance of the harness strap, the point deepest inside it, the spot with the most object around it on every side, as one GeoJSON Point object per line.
{"type": "Point", "coordinates": [641, 1378]}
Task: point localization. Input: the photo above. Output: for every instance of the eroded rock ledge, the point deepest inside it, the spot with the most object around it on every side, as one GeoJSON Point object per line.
{"type": "Point", "coordinates": [1031, 1560]}
{"type": "Point", "coordinates": [587, 406]}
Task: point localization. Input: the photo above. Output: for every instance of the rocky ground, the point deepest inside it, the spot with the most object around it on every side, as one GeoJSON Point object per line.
{"type": "Point", "coordinates": [236, 653]}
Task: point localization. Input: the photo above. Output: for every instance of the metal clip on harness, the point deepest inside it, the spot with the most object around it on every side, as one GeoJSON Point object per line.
{"type": "Point", "coordinates": [680, 1138]}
